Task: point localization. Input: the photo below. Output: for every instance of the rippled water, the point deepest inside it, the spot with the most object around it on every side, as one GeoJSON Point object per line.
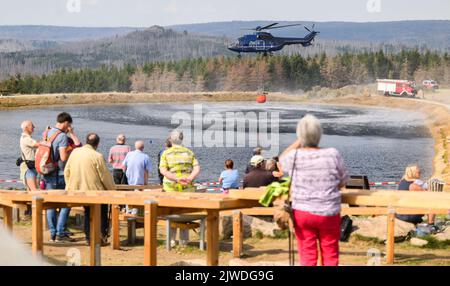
{"type": "Point", "coordinates": [377, 142]}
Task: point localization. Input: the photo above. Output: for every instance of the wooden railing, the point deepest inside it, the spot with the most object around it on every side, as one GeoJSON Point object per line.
{"type": "Point", "coordinates": [154, 202]}
{"type": "Point", "coordinates": [157, 203]}
{"type": "Point", "coordinates": [360, 202]}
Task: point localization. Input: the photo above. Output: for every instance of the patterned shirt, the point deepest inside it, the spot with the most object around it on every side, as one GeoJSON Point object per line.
{"type": "Point", "coordinates": [180, 161]}
{"type": "Point", "coordinates": [117, 154]}
{"type": "Point", "coordinates": [317, 175]}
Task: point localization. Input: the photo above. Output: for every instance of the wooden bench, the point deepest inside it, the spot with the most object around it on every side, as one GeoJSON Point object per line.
{"type": "Point", "coordinates": [157, 204]}
{"type": "Point", "coordinates": [170, 222]}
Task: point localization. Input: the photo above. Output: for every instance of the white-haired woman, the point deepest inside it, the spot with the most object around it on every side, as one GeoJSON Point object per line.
{"type": "Point", "coordinates": [317, 176]}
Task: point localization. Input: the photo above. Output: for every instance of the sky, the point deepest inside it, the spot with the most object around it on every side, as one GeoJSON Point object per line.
{"type": "Point", "coordinates": [145, 13]}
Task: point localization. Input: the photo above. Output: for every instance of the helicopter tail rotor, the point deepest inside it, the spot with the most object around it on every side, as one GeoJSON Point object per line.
{"type": "Point", "coordinates": [312, 29]}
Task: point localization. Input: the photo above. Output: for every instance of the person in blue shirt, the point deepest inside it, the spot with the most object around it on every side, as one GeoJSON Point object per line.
{"type": "Point", "coordinates": [229, 178]}
{"type": "Point", "coordinates": [138, 165]}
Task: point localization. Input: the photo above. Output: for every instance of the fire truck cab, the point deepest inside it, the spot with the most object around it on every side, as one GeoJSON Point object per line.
{"type": "Point", "coordinates": [394, 87]}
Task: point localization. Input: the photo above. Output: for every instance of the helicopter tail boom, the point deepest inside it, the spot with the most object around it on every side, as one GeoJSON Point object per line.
{"type": "Point", "coordinates": [306, 41]}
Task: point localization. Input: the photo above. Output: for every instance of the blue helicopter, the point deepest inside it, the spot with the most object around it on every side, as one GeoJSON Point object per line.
{"type": "Point", "coordinates": [265, 43]}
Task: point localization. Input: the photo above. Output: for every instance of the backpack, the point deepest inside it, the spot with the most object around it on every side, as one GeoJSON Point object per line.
{"type": "Point", "coordinates": [346, 228]}
{"type": "Point", "coordinates": [425, 229]}
{"type": "Point", "coordinates": [44, 162]}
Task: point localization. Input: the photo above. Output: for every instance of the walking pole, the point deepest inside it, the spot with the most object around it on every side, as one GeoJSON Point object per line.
{"type": "Point", "coordinates": [293, 248]}
{"type": "Point", "coordinates": [290, 247]}
{"type": "Point", "coordinates": [108, 233]}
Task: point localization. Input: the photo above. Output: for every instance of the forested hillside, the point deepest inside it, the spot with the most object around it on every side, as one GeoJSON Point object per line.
{"type": "Point", "coordinates": [285, 73]}
{"type": "Point", "coordinates": [37, 50]}
{"type": "Point", "coordinates": [136, 48]}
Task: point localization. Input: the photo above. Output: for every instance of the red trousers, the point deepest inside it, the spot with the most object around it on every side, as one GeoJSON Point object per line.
{"type": "Point", "coordinates": [311, 228]}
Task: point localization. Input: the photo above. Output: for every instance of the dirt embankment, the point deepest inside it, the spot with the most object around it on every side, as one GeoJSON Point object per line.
{"type": "Point", "coordinates": [438, 116]}
{"type": "Point", "coordinates": [23, 101]}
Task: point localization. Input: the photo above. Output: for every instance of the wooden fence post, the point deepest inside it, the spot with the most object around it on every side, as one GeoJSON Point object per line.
{"type": "Point", "coordinates": [44, 220]}
{"type": "Point", "coordinates": [115, 227]}
{"type": "Point", "coordinates": [150, 233]}
{"type": "Point", "coordinates": [8, 217]}
{"type": "Point", "coordinates": [16, 214]}
{"type": "Point", "coordinates": [238, 234]}
{"type": "Point", "coordinates": [95, 251]}
{"type": "Point", "coordinates": [390, 240]}
{"type": "Point", "coordinates": [37, 239]}
{"type": "Point", "coordinates": [212, 238]}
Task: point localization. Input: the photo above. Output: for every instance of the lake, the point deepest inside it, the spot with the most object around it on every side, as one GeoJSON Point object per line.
{"type": "Point", "coordinates": [376, 142]}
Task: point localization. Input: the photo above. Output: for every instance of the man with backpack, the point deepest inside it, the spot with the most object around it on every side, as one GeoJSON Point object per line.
{"type": "Point", "coordinates": [51, 158]}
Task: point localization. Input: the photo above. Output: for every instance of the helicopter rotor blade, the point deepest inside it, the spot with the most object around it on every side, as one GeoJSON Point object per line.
{"type": "Point", "coordinates": [266, 27]}
{"type": "Point", "coordinates": [285, 26]}
{"type": "Point", "coordinates": [307, 29]}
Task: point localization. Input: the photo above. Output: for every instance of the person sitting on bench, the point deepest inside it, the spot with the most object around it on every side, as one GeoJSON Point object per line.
{"type": "Point", "coordinates": [411, 182]}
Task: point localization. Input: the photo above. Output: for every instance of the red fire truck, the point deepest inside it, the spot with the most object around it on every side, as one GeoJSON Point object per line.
{"type": "Point", "coordinates": [397, 87]}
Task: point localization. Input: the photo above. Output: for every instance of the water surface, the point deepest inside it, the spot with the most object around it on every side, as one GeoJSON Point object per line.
{"type": "Point", "coordinates": [373, 141]}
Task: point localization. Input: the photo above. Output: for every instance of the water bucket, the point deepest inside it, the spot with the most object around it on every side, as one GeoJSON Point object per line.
{"type": "Point", "coordinates": [261, 98]}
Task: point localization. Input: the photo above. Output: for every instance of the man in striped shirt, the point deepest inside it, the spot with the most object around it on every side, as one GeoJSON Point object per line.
{"type": "Point", "coordinates": [117, 155]}
{"type": "Point", "coordinates": [179, 166]}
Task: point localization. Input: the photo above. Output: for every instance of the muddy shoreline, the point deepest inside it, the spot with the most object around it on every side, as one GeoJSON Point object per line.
{"type": "Point", "coordinates": [437, 116]}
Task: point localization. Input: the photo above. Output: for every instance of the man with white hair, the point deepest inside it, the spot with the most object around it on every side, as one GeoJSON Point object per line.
{"type": "Point", "coordinates": [28, 148]}
{"type": "Point", "coordinates": [178, 165]}
{"type": "Point", "coordinates": [256, 152]}
{"type": "Point", "coordinates": [117, 155]}
{"type": "Point", "coordinates": [138, 165]}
